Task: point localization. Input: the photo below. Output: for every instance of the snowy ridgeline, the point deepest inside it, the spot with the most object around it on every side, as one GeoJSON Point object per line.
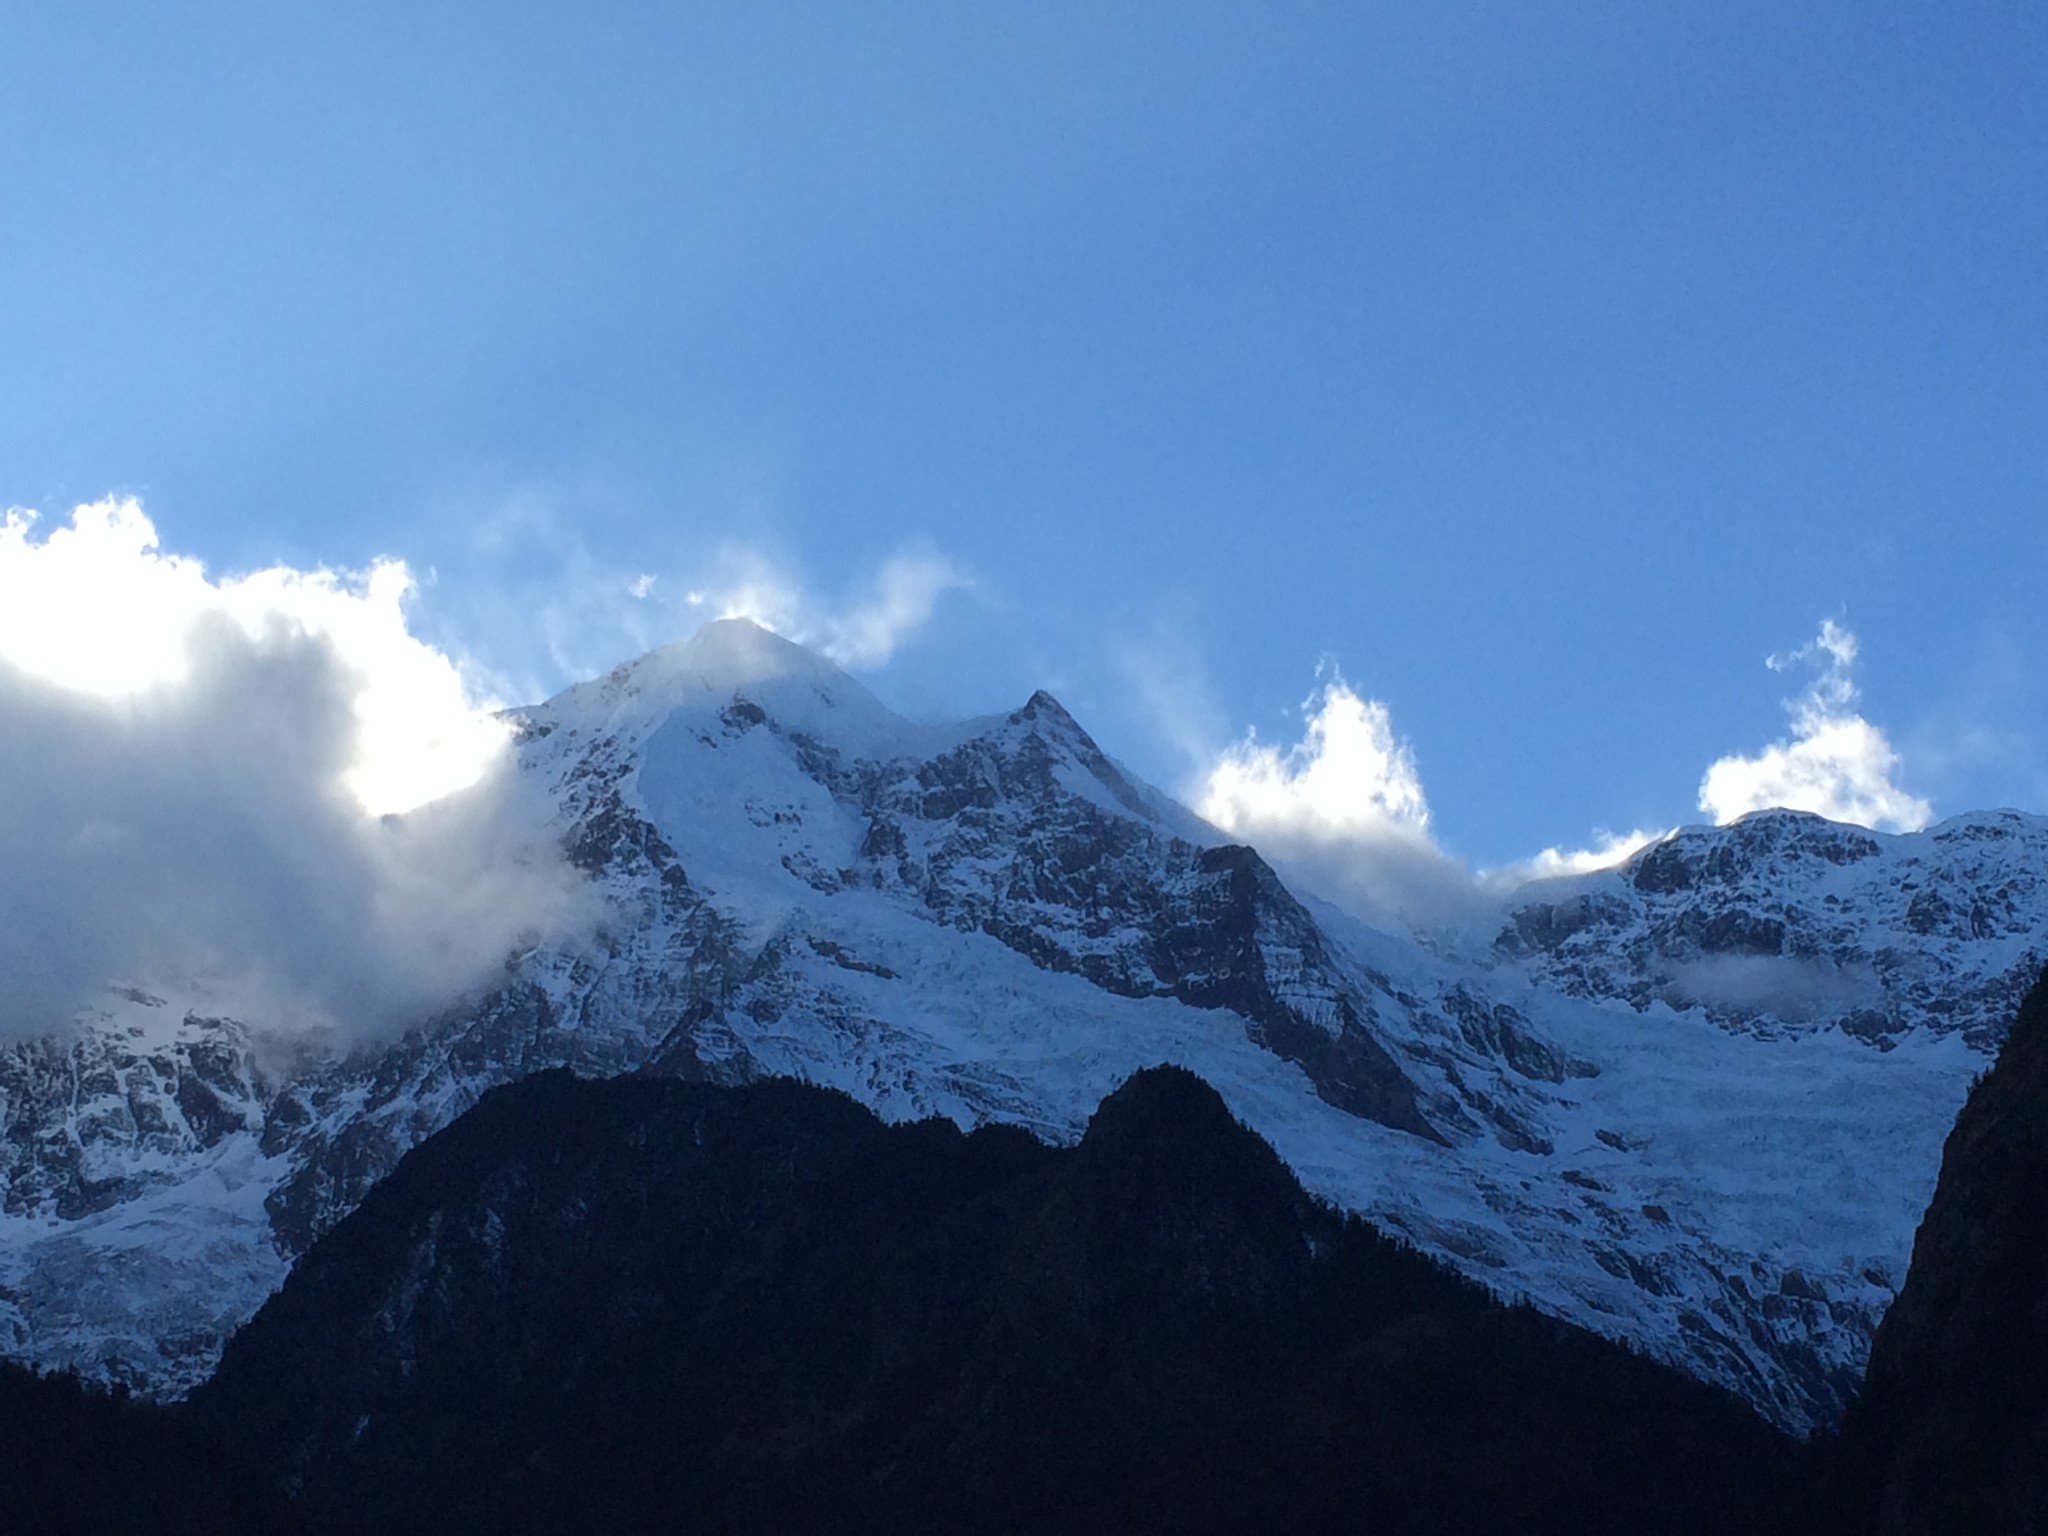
{"type": "Point", "coordinates": [1696, 1102]}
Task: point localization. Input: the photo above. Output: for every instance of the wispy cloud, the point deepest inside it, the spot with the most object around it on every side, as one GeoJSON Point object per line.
{"type": "Point", "coordinates": [535, 607]}
{"type": "Point", "coordinates": [1606, 850]}
{"type": "Point", "coordinates": [1161, 672]}
{"type": "Point", "coordinates": [1835, 763]}
{"type": "Point", "coordinates": [860, 633]}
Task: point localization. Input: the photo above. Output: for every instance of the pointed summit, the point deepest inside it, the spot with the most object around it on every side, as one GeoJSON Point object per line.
{"type": "Point", "coordinates": [730, 660]}
{"type": "Point", "coordinates": [724, 656]}
{"type": "Point", "coordinates": [1043, 706]}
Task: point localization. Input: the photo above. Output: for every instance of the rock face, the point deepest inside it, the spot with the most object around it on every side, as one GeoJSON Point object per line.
{"type": "Point", "coordinates": [1696, 1103]}
{"type": "Point", "coordinates": [1950, 1435]}
{"type": "Point", "coordinates": [593, 1305]}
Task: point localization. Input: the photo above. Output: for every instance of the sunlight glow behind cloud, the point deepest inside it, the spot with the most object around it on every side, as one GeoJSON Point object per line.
{"type": "Point", "coordinates": [198, 777]}
{"type": "Point", "coordinates": [1606, 850]}
{"type": "Point", "coordinates": [98, 608]}
{"type": "Point", "coordinates": [1836, 764]}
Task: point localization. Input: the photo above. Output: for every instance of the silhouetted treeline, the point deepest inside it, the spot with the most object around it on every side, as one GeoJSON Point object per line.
{"type": "Point", "coordinates": [77, 1461]}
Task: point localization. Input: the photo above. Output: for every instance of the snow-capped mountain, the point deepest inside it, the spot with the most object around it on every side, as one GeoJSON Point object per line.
{"type": "Point", "coordinates": [1696, 1102]}
{"type": "Point", "coordinates": [1786, 922]}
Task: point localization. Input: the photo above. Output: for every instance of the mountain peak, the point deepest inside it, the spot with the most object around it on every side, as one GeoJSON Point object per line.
{"type": "Point", "coordinates": [1043, 705]}
{"type": "Point", "coordinates": [736, 653]}
{"type": "Point", "coordinates": [724, 660]}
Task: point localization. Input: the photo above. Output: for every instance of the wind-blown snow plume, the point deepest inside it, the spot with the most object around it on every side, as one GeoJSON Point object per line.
{"type": "Point", "coordinates": [1343, 808]}
{"type": "Point", "coordinates": [201, 782]}
{"type": "Point", "coordinates": [1606, 850]}
{"type": "Point", "coordinates": [862, 635]}
{"type": "Point", "coordinates": [1161, 675]}
{"type": "Point", "coordinates": [534, 605]}
{"type": "Point", "coordinates": [1836, 764]}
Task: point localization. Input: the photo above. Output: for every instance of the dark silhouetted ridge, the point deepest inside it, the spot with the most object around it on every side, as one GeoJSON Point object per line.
{"type": "Point", "coordinates": [653, 1305]}
{"type": "Point", "coordinates": [1950, 1435]}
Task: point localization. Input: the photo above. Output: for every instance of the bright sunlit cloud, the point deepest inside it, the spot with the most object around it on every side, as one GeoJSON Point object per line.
{"type": "Point", "coordinates": [1342, 810]}
{"type": "Point", "coordinates": [1348, 777]}
{"type": "Point", "coordinates": [197, 778]}
{"type": "Point", "coordinates": [1835, 764]}
{"type": "Point", "coordinates": [98, 608]}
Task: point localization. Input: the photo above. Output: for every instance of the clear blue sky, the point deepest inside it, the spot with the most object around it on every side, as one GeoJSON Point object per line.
{"type": "Point", "coordinates": [1548, 366]}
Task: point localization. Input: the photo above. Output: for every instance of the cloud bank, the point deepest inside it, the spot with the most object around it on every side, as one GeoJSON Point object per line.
{"type": "Point", "coordinates": [1836, 763]}
{"type": "Point", "coordinates": [201, 784]}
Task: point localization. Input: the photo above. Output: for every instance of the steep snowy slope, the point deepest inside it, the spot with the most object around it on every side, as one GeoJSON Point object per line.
{"type": "Point", "coordinates": [1621, 1110]}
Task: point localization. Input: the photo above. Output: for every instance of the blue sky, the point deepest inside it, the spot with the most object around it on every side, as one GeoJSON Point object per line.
{"type": "Point", "coordinates": [1545, 367]}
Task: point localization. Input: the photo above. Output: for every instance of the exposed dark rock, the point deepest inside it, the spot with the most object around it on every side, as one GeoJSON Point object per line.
{"type": "Point", "coordinates": [1502, 1031]}
{"type": "Point", "coordinates": [1737, 932]}
{"type": "Point", "coordinates": [1209, 954]}
{"type": "Point", "coordinates": [1663, 868]}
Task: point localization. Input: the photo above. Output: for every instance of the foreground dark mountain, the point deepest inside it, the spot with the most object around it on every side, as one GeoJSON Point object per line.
{"type": "Point", "coordinates": [75, 1461]}
{"type": "Point", "coordinates": [1950, 1436]}
{"type": "Point", "coordinates": [646, 1304]}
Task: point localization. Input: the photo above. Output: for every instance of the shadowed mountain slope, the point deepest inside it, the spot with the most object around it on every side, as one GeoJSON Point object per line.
{"type": "Point", "coordinates": [1950, 1435]}
{"type": "Point", "coordinates": [648, 1304]}
{"type": "Point", "coordinates": [79, 1461]}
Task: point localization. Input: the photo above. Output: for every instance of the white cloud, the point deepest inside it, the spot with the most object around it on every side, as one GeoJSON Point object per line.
{"type": "Point", "coordinates": [98, 609]}
{"type": "Point", "coordinates": [1347, 777]}
{"type": "Point", "coordinates": [1836, 763]}
{"type": "Point", "coordinates": [1343, 811]}
{"type": "Point", "coordinates": [197, 776]}
{"type": "Point", "coordinates": [898, 604]}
